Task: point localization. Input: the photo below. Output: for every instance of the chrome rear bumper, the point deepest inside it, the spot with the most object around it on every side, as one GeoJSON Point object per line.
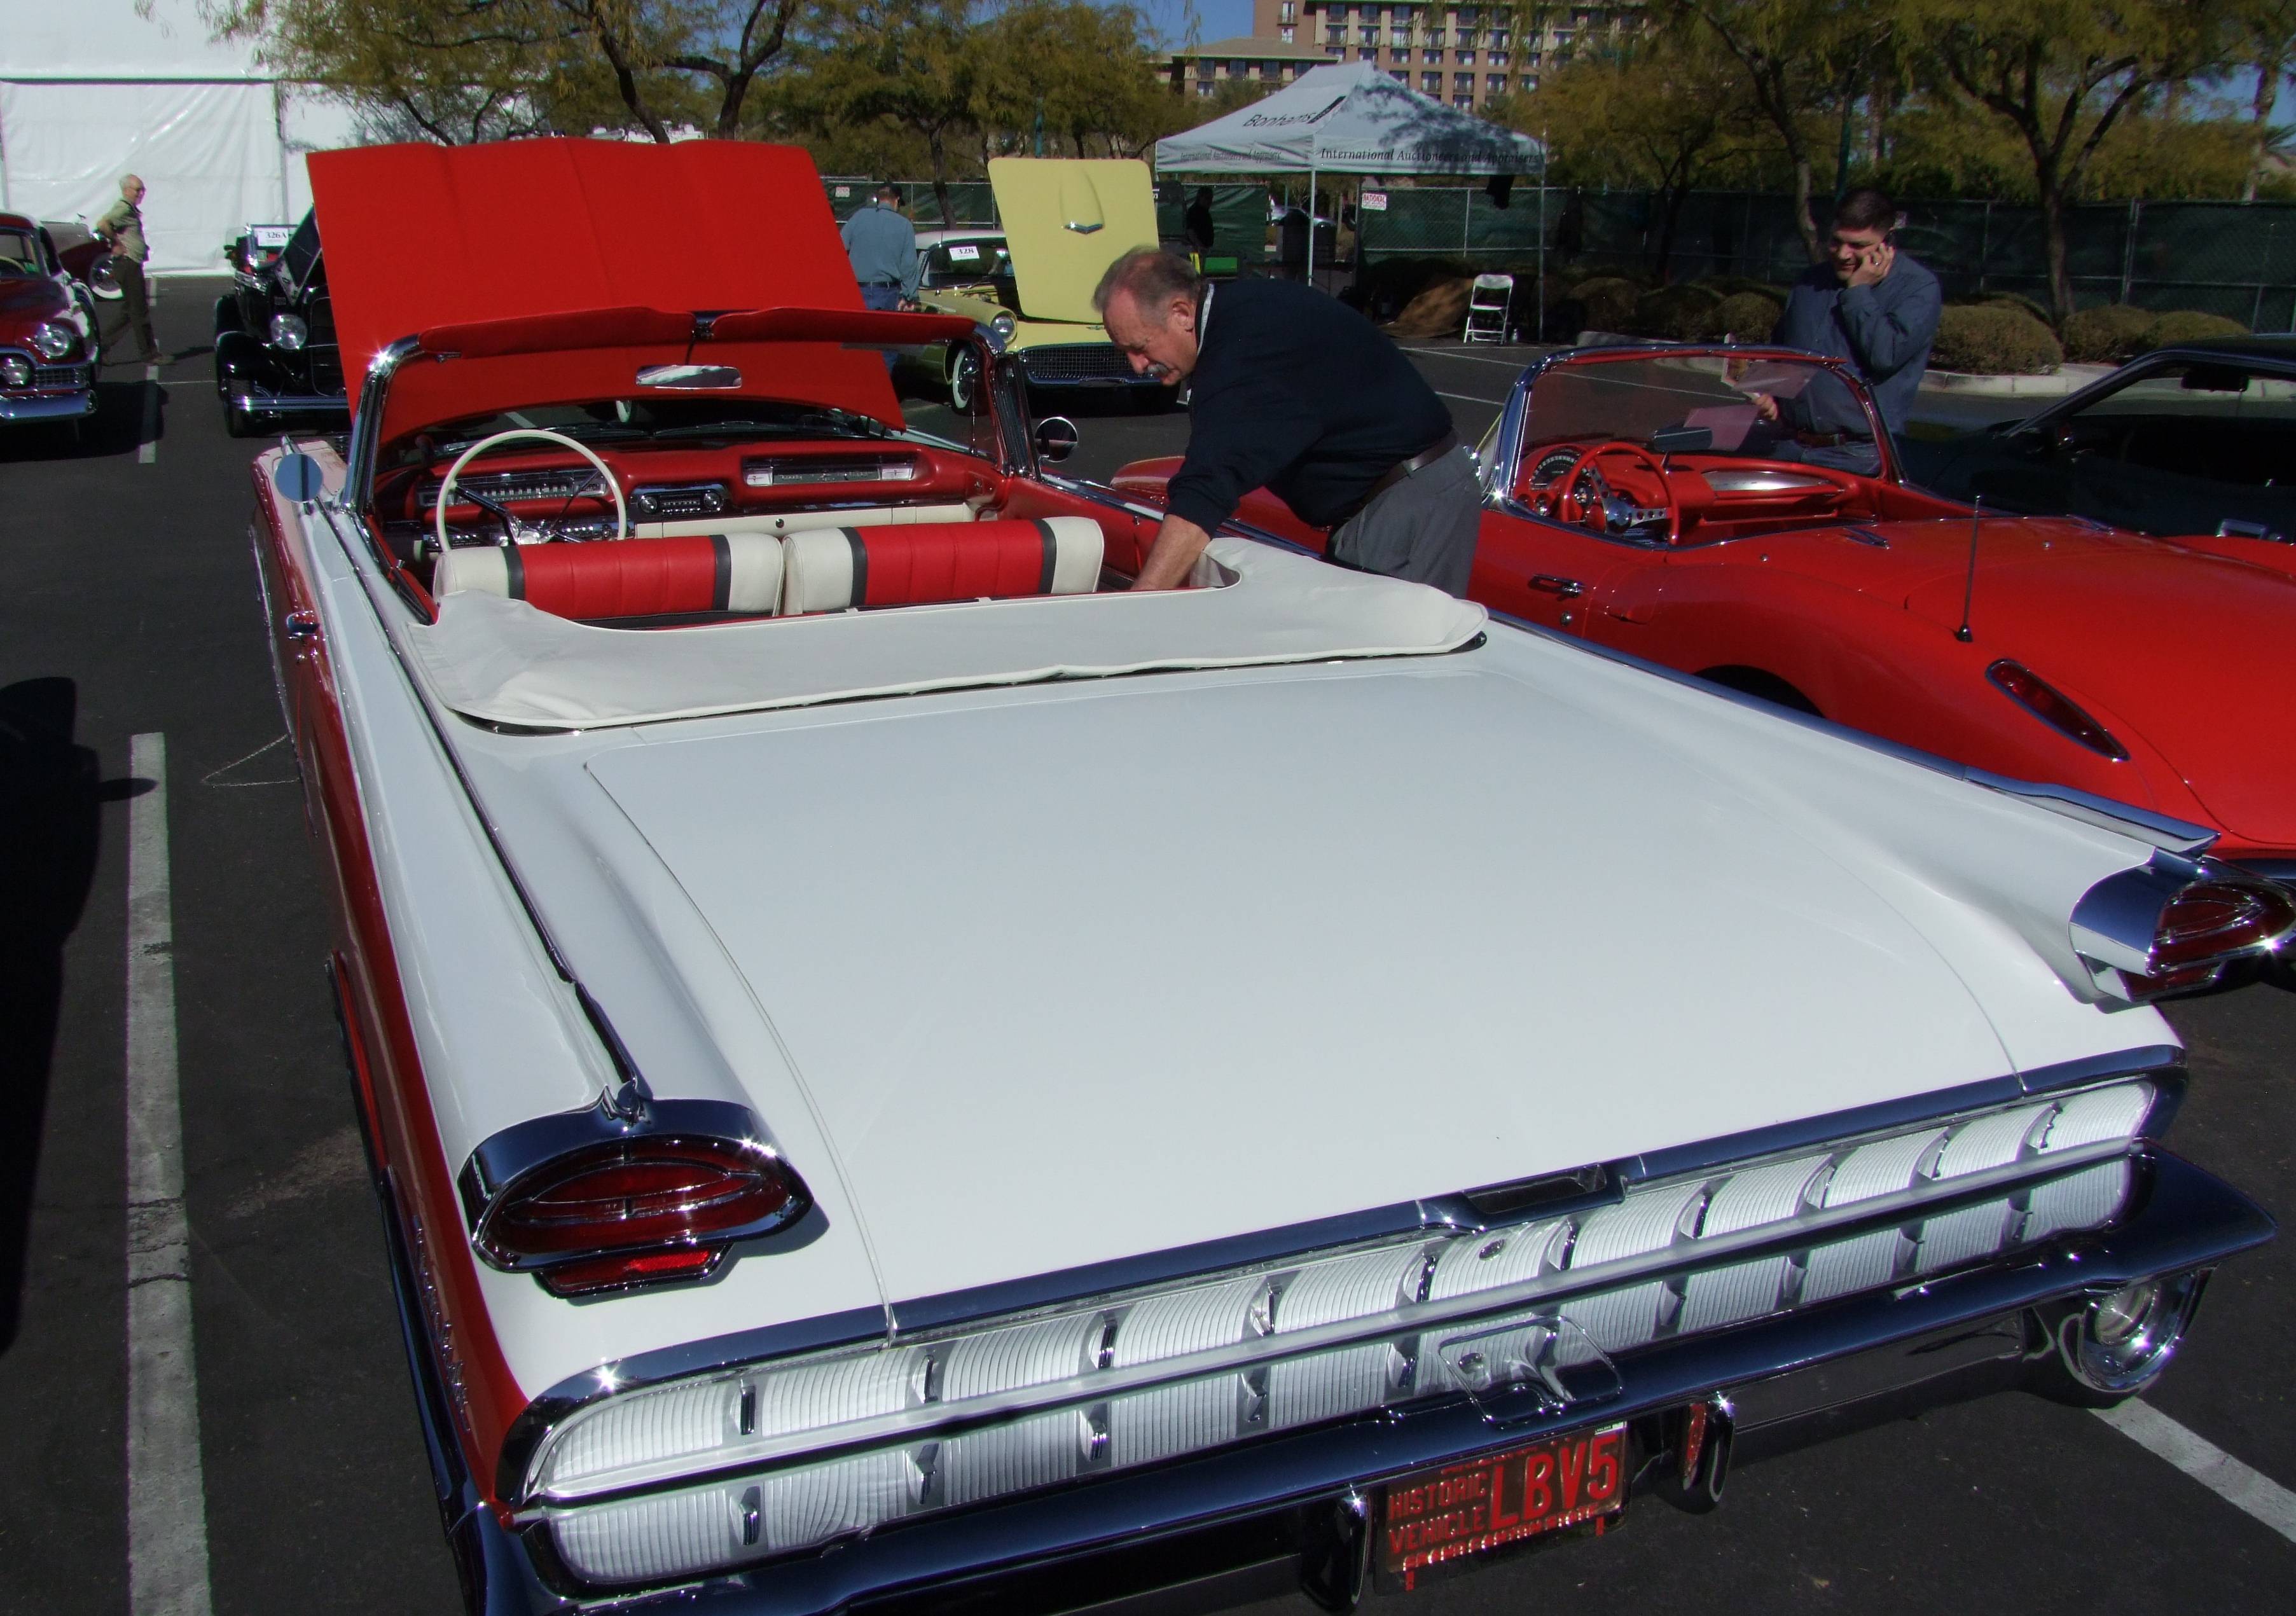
{"type": "Point", "coordinates": [1279, 1511]}
{"type": "Point", "coordinates": [258, 403]}
{"type": "Point", "coordinates": [49, 407]}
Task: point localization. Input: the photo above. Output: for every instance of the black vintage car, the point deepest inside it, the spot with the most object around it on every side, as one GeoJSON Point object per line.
{"type": "Point", "coordinates": [275, 334]}
{"type": "Point", "coordinates": [2198, 439]}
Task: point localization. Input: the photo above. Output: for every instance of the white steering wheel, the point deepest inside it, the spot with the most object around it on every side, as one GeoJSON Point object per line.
{"type": "Point", "coordinates": [446, 489]}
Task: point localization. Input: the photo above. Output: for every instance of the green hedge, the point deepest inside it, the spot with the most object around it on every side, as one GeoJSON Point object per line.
{"type": "Point", "coordinates": [2190, 325]}
{"type": "Point", "coordinates": [2108, 334]}
{"type": "Point", "coordinates": [1994, 339]}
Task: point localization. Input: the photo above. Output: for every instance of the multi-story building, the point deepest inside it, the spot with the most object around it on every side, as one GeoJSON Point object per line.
{"type": "Point", "coordinates": [1465, 54]}
{"type": "Point", "coordinates": [1271, 58]}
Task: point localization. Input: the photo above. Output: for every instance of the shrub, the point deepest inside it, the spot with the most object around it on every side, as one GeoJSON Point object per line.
{"type": "Point", "coordinates": [2109, 334]}
{"type": "Point", "coordinates": [1995, 340]}
{"type": "Point", "coordinates": [1748, 317]}
{"type": "Point", "coordinates": [1609, 302]}
{"type": "Point", "coordinates": [2018, 300]}
{"type": "Point", "coordinates": [2191, 325]}
{"type": "Point", "coordinates": [1677, 312]}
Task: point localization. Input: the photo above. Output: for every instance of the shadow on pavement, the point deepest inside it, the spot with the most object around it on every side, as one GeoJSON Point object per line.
{"type": "Point", "coordinates": [52, 792]}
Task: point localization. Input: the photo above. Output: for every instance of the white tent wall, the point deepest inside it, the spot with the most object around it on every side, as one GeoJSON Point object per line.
{"type": "Point", "coordinates": [93, 90]}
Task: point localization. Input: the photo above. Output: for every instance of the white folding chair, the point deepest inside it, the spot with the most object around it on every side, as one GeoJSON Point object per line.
{"type": "Point", "coordinates": [1487, 308]}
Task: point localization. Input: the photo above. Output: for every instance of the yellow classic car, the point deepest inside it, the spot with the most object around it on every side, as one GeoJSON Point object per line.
{"type": "Point", "coordinates": [1066, 219]}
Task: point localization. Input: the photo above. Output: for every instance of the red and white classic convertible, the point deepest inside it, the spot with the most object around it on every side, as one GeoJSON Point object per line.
{"type": "Point", "coordinates": [896, 1064]}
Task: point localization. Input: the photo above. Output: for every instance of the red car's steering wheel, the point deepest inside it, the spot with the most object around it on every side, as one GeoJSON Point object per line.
{"type": "Point", "coordinates": [1589, 512]}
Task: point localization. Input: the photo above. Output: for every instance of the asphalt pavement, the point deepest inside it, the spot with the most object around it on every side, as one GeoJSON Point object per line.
{"type": "Point", "coordinates": [135, 613]}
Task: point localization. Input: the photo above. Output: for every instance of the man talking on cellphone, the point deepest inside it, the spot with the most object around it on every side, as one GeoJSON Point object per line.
{"type": "Point", "coordinates": [1872, 306]}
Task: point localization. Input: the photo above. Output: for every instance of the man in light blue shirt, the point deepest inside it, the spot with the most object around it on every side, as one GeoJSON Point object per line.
{"type": "Point", "coordinates": [1874, 307]}
{"type": "Point", "coordinates": [883, 248]}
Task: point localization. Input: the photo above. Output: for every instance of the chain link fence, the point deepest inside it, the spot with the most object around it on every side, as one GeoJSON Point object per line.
{"type": "Point", "coordinates": [2232, 258]}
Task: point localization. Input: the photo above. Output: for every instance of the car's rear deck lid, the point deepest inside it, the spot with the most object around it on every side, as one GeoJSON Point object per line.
{"type": "Point", "coordinates": [503, 662]}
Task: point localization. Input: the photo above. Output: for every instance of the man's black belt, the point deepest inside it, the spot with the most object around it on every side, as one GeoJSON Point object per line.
{"type": "Point", "coordinates": [880, 283]}
{"type": "Point", "coordinates": [1829, 441]}
{"type": "Point", "coordinates": [1402, 469]}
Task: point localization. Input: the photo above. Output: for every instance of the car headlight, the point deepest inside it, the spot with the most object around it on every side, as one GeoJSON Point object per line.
{"type": "Point", "coordinates": [1004, 326]}
{"type": "Point", "coordinates": [15, 370]}
{"type": "Point", "coordinates": [52, 341]}
{"type": "Point", "coordinates": [289, 331]}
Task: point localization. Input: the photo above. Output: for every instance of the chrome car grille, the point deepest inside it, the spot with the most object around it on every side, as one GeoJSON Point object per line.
{"type": "Point", "coordinates": [1076, 362]}
{"type": "Point", "coordinates": [61, 375]}
{"type": "Point", "coordinates": [1537, 1305]}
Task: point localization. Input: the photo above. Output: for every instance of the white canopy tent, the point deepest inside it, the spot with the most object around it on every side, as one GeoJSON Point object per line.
{"type": "Point", "coordinates": [1351, 119]}
{"type": "Point", "coordinates": [97, 88]}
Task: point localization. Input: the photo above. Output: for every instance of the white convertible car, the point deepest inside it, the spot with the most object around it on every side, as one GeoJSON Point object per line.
{"type": "Point", "coordinates": [897, 1066]}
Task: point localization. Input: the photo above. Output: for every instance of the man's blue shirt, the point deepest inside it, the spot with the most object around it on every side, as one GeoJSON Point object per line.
{"type": "Point", "coordinates": [1884, 330]}
{"type": "Point", "coordinates": [883, 248]}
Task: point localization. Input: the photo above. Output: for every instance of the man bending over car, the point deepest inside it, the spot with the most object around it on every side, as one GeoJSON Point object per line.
{"type": "Point", "coordinates": [1871, 305]}
{"type": "Point", "coordinates": [1295, 392]}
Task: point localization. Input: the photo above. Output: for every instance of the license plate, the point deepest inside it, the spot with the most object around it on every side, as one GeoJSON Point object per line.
{"type": "Point", "coordinates": [1456, 1511]}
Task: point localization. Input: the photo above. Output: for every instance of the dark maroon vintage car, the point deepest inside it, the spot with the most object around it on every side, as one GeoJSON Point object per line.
{"type": "Point", "coordinates": [47, 330]}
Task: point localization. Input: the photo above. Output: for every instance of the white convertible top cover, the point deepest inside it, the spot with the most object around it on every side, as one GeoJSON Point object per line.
{"type": "Point", "coordinates": [503, 662]}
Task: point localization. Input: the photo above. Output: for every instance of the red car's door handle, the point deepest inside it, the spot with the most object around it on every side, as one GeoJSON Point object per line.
{"type": "Point", "coordinates": [1564, 588]}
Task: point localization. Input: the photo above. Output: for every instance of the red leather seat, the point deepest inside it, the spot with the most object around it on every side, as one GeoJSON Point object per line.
{"type": "Point", "coordinates": [734, 572]}
{"type": "Point", "coordinates": [831, 569]}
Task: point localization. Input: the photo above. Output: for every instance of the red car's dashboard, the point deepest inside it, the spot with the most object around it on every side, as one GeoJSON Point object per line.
{"type": "Point", "coordinates": [1699, 498]}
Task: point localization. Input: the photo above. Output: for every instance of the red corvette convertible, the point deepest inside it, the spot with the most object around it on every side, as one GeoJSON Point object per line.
{"type": "Point", "coordinates": [1692, 506]}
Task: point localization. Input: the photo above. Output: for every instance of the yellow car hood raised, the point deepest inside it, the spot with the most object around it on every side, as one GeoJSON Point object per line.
{"type": "Point", "coordinates": [1066, 219]}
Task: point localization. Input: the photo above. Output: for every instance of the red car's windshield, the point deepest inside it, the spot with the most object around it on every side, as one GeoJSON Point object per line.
{"type": "Point", "coordinates": [1693, 403]}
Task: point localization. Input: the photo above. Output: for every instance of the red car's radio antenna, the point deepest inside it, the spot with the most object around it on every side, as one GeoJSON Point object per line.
{"type": "Point", "coordinates": [1969, 585]}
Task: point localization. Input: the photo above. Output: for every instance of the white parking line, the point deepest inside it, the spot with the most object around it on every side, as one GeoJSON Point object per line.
{"type": "Point", "coordinates": [2246, 1490]}
{"type": "Point", "coordinates": [166, 1492]}
{"type": "Point", "coordinates": [149, 450]}
{"type": "Point", "coordinates": [1472, 398]}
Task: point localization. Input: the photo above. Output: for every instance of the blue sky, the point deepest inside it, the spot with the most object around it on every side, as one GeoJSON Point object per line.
{"type": "Point", "coordinates": [1222, 19]}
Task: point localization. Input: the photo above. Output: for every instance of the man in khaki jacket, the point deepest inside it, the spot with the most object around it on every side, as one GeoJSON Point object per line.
{"type": "Point", "coordinates": [122, 231]}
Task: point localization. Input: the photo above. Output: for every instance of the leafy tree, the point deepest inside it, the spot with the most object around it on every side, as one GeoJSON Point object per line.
{"type": "Point", "coordinates": [2060, 74]}
{"type": "Point", "coordinates": [1807, 63]}
{"type": "Point", "coordinates": [472, 70]}
{"type": "Point", "coordinates": [2264, 33]}
{"type": "Point", "coordinates": [1670, 114]}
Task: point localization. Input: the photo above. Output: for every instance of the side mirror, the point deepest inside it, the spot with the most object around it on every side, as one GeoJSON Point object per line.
{"type": "Point", "coordinates": [1056, 438]}
{"type": "Point", "coordinates": [299, 478]}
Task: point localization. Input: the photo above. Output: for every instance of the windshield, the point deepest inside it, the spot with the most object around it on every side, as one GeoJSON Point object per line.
{"type": "Point", "coordinates": [684, 421]}
{"type": "Point", "coordinates": [302, 251]}
{"type": "Point", "coordinates": [19, 254]}
{"type": "Point", "coordinates": [2213, 387]}
{"type": "Point", "coordinates": [952, 263]}
{"type": "Point", "coordinates": [1718, 403]}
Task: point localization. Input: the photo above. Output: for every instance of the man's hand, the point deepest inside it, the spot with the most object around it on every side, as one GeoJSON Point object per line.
{"type": "Point", "coordinates": [1173, 556]}
{"type": "Point", "coordinates": [1766, 407]}
{"type": "Point", "coordinates": [1873, 266]}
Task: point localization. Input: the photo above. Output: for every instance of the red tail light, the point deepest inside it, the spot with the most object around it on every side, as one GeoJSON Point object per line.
{"type": "Point", "coordinates": [2054, 708]}
{"type": "Point", "coordinates": [604, 1198]}
{"type": "Point", "coordinates": [2177, 924]}
{"type": "Point", "coordinates": [2210, 923]}
{"type": "Point", "coordinates": [620, 1272]}
{"type": "Point", "coordinates": [642, 1192]}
